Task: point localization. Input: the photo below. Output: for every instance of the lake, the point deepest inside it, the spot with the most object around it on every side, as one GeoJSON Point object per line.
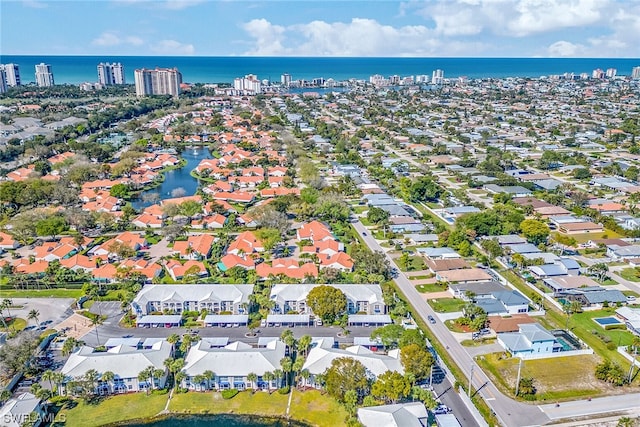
{"type": "Point", "coordinates": [178, 178]}
{"type": "Point", "coordinates": [222, 420]}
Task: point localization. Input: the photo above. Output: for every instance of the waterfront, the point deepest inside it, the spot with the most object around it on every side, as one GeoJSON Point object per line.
{"type": "Point", "coordinates": [177, 178]}
{"type": "Point", "coordinates": [223, 420]}
{"type": "Point", "coordinates": [78, 69]}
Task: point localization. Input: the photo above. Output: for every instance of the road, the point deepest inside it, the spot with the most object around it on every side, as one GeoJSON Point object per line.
{"type": "Point", "coordinates": [509, 412]}
{"type": "Point", "coordinates": [581, 408]}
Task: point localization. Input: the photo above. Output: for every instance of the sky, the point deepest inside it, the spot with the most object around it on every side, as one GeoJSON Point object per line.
{"type": "Point", "coordinates": [414, 28]}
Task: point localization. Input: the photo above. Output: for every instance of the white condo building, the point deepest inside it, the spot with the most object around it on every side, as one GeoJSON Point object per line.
{"type": "Point", "coordinates": [12, 74]}
{"type": "Point", "coordinates": [437, 77]}
{"type": "Point", "coordinates": [285, 79]}
{"type": "Point", "coordinates": [111, 74]}
{"type": "Point", "coordinates": [611, 72]}
{"type": "Point", "coordinates": [160, 81]}
{"type": "Point", "coordinates": [44, 75]}
{"type": "Point", "coordinates": [248, 84]}
{"type": "Point", "coordinates": [635, 73]}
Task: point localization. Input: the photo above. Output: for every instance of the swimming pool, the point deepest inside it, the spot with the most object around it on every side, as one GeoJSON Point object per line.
{"type": "Point", "coordinates": [604, 321]}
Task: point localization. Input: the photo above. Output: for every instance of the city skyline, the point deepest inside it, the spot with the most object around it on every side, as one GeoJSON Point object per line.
{"type": "Point", "coordinates": [478, 28]}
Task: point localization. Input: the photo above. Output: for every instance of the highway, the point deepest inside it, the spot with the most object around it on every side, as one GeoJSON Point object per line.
{"type": "Point", "coordinates": [509, 412]}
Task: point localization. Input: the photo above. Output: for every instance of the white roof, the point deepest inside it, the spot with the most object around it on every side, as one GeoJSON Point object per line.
{"type": "Point", "coordinates": [370, 293]}
{"type": "Point", "coordinates": [320, 358]}
{"type": "Point", "coordinates": [226, 318]}
{"type": "Point", "coordinates": [398, 415]}
{"type": "Point", "coordinates": [159, 319]}
{"type": "Point", "coordinates": [124, 361]}
{"type": "Point", "coordinates": [18, 409]}
{"type": "Point", "coordinates": [202, 292]}
{"type": "Point", "coordinates": [235, 359]}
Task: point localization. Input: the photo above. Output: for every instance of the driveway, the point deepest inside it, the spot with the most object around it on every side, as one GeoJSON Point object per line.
{"type": "Point", "coordinates": [159, 250]}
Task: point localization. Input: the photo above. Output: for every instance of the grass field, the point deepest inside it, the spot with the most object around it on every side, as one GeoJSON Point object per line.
{"type": "Point", "coordinates": [446, 305]}
{"type": "Point", "coordinates": [15, 324]}
{"type": "Point", "coordinates": [112, 410]}
{"type": "Point", "coordinates": [558, 378]}
{"type": "Point", "coordinates": [431, 287]}
{"type": "Point", "coordinates": [585, 237]}
{"type": "Point", "coordinates": [310, 406]}
{"type": "Point", "coordinates": [631, 274]}
{"type": "Point", "coordinates": [43, 293]}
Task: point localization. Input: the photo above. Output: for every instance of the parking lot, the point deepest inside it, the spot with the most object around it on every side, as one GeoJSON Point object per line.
{"type": "Point", "coordinates": [51, 311]}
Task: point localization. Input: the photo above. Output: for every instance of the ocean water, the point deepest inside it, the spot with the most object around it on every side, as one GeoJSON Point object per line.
{"type": "Point", "coordinates": [78, 69]}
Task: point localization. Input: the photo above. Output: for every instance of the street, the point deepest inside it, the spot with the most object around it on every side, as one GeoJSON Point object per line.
{"type": "Point", "coordinates": [508, 411]}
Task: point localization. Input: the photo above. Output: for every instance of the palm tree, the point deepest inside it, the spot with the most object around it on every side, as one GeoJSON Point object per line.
{"type": "Point", "coordinates": [173, 339]}
{"type": "Point", "coordinates": [304, 343]}
{"type": "Point", "coordinates": [7, 303]}
{"type": "Point", "coordinates": [297, 368]}
{"type": "Point", "coordinates": [288, 338]}
{"type": "Point", "coordinates": [33, 315]}
{"type": "Point", "coordinates": [144, 376]}
{"type": "Point", "coordinates": [179, 377]}
{"type": "Point", "coordinates": [157, 373]}
{"type": "Point", "coordinates": [305, 374]}
{"type": "Point", "coordinates": [108, 378]}
{"type": "Point", "coordinates": [91, 378]}
{"type": "Point", "coordinates": [277, 374]}
{"type": "Point", "coordinates": [268, 377]}
{"type": "Point", "coordinates": [252, 378]}
{"type": "Point", "coordinates": [48, 376]}
{"type": "Point", "coordinates": [198, 380]}
{"type": "Point", "coordinates": [210, 376]}
{"type": "Point", "coordinates": [96, 321]}
{"type": "Point", "coordinates": [58, 378]}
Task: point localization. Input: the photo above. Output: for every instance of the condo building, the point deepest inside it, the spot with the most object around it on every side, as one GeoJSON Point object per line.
{"type": "Point", "coordinates": [111, 74]}
{"type": "Point", "coordinates": [12, 74]}
{"type": "Point", "coordinates": [44, 75]}
{"type": "Point", "coordinates": [159, 81]}
{"type": "Point", "coordinates": [635, 73]}
{"type": "Point", "coordinates": [3, 81]}
{"type": "Point", "coordinates": [437, 77]}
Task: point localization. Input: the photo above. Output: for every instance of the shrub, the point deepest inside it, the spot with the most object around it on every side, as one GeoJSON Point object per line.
{"type": "Point", "coordinates": [284, 390]}
{"type": "Point", "coordinates": [229, 394]}
{"type": "Point", "coordinates": [611, 346]}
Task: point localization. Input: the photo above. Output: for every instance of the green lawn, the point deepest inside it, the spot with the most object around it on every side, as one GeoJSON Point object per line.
{"type": "Point", "coordinates": [113, 409]}
{"type": "Point", "coordinates": [43, 293]}
{"type": "Point", "coordinates": [585, 237]}
{"type": "Point", "coordinates": [15, 324]}
{"type": "Point", "coordinates": [310, 406]}
{"type": "Point", "coordinates": [477, 343]}
{"type": "Point", "coordinates": [558, 378]}
{"type": "Point", "coordinates": [431, 287]}
{"type": "Point", "coordinates": [630, 274]}
{"type": "Point", "coordinates": [446, 305]}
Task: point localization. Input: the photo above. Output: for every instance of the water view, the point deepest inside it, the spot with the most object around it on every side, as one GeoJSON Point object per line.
{"type": "Point", "coordinates": [220, 420]}
{"type": "Point", "coordinates": [177, 178]}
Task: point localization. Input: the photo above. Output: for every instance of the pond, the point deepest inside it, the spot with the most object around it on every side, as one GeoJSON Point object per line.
{"type": "Point", "coordinates": [177, 178]}
{"type": "Point", "coordinates": [222, 420]}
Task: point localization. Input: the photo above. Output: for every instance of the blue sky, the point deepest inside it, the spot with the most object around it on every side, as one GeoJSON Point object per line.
{"type": "Point", "coordinates": [492, 28]}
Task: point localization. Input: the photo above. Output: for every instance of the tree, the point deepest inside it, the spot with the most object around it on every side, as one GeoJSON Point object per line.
{"type": "Point", "coordinates": [51, 226]}
{"type": "Point", "coordinates": [108, 378]}
{"type": "Point", "coordinates": [304, 343]}
{"type": "Point", "coordinates": [369, 262]}
{"type": "Point", "coordinates": [610, 372]}
{"type": "Point", "coordinates": [527, 388]}
{"type": "Point", "coordinates": [120, 191]}
{"type": "Point", "coordinates": [327, 302]}
{"type": "Point", "coordinates": [346, 374]}
{"type": "Point", "coordinates": [600, 270]}
{"type": "Point", "coordinates": [391, 386]}
{"type": "Point", "coordinates": [535, 231]}
{"type": "Point", "coordinates": [425, 396]}
{"type": "Point", "coordinates": [377, 215]}
{"type": "Point", "coordinates": [34, 315]}
{"type": "Point", "coordinates": [416, 360]}
{"type": "Point", "coordinates": [252, 378]}
{"type": "Point", "coordinates": [492, 248]}
{"type": "Point", "coordinates": [412, 336]}
{"type": "Point", "coordinates": [424, 189]}
{"type": "Point", "coordinates": [351, 402]}
{"type": "Point", "coordinates": [287, 365]}
{"type": "Point", "coordinates": [388, 335]}
{"type": "Point", "coordinates": [581, 173]}
{"type": "Point", "coordinates": [270, 237]}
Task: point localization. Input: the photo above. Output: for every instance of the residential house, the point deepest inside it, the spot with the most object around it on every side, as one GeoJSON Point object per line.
{"type": "Point", "coordinates": [22, 410]}
{"type": "Point", "coordinates": [360, 298]}
{"type": "Point", "coordinates": [503, 303]}
{"type": "Point", "coordinates": [124, 361]}
{"type": "Point", "coordinates": [631, 318]}
{"type": "Point", "coordinates": [245, 243]}
{"type": "Point", "coordinates": [412, 414]}
{"type": "Point", "coordinates": [232, 365]}
{"type": "Point", "coordinates": [531, 339]}
{"type": "Point", "coordinates": [178, 298]}
{"type": "Point", "coordinates": [196, 247]}
{"type": "Point", "coordinates": [177, 271]}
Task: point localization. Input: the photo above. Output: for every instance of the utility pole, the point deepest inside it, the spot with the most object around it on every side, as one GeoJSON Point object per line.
{"type": "Point", "coordinates": [470, 380]}
{"type": "Point", "coordinates": [518, 380]}
{"type": "Point", "coordinates": [633, 363]}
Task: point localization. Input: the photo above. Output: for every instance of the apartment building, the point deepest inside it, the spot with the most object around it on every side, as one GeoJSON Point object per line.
{"type": "Point", "coordinates": [159, 81]}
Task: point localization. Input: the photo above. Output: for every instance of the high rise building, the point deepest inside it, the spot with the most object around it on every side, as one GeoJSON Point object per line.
{"type": "Point", "coordinates": [160, 81]}
{"type": "Point", "coordinates": [598, 74]}
{"type": "Point", "coordinates": [12, 74]}
{"type": "Point", "coordinates": [437, 77]}
{"type": "Point", "coordinates": [110, 74]}
{"type": "Point", "coordinates": [611, 72]}
{"type": "Point", "coordinates": [248, 83]}
{"type": "Point", "coordinates": [3, 81]}
{"type": "Point", "coordinates": [44, 76]}
{"type": "Point", "coordinates": [285, 79]}
{"type": "Point", "coordinates": [635, 73]}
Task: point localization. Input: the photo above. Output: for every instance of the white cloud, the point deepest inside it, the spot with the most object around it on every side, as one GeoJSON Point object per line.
{"type": "Point", "coordinates": [564, 48]}
{"type": "Point", "coordinates": [110, 38]}
{"type": "Point", "coordinates": [172, 47]}
{"type": "Point", "coordinates": [268, 37]}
